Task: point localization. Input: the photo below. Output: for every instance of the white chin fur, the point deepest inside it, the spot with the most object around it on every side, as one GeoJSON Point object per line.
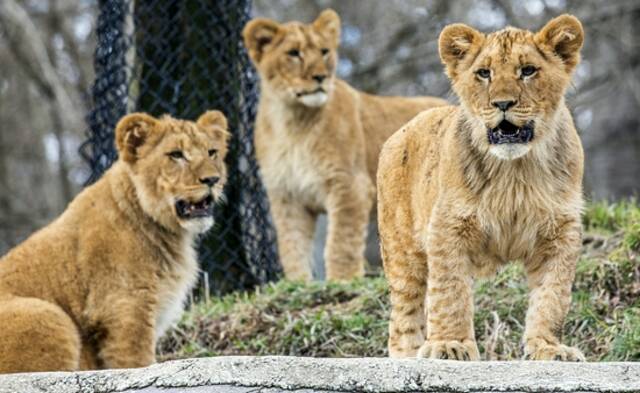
{"type": "Point", "coordinates": [509, 151]}
{"type": "Point", "coordinates": [314, 100]}
{"type": "Point", "coordinates": [196, 226]}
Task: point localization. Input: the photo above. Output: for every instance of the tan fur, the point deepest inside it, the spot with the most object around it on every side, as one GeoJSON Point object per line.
{"type": "Point", "coordinates": [451, 209]}
{"type": "Point", "coordinates": [318, 152]}
{"type": "Point", "coordinates": [98, 286]}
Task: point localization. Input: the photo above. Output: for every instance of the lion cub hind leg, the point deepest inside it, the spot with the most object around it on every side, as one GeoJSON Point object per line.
{"type": "Point", "coordinates": [37, 336]}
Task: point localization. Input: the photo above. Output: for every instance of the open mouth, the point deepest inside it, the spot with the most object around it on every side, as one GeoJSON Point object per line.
{"type": "Point", "coordinates": [507, 132]}
{"type": "Point", "coordinates": [188, 210]}
{"type": "Point", "coordinates": [306, 93]}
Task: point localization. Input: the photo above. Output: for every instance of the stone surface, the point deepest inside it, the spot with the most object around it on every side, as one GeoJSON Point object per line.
{"type": "Point", "coordinates": [278, 374]}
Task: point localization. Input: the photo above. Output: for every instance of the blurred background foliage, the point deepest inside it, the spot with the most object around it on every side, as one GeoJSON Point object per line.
{"type": "Point", "coordinates": [388, 47]}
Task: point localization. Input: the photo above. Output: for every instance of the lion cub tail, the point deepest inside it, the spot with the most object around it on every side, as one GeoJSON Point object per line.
{"type": "Point", "coordinates": [36, 335]}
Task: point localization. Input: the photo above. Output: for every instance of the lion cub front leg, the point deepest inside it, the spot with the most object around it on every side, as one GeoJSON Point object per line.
{"type": "Point", "coordinates": [349, 206]}
{"type": "Point", "coordinates": [406, 272]}
{"type": "Point", "coordinates": [550, 274]}
{"type": "Point", "coordinates": [295, 226]}
{"type": "Point", "coordinates": [129, 339]}
{"type": "Point", "coordinates": [450, 332]}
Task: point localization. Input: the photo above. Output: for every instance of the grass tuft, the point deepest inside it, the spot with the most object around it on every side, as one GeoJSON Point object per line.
{"type": "Point", "coordinates": [609, 217]}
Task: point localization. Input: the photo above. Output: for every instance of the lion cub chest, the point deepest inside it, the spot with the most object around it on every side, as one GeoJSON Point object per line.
{"type": "Point", "coordinates": [512, 228]}
{"type": "Point", "coordinates": [174, 287]}
{"type": "Point", "coordinates": [291, 168]}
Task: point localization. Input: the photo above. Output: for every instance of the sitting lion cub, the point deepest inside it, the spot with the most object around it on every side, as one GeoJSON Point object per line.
{"type": "Point", "coordinates": [463, 190]}
{"type": "Point", "coordinates": [99, 285]}
{"type": "Point", "coordinates": [317, 142]}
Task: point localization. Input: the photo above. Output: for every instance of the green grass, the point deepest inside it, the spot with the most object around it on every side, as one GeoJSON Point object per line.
{"type": "Point", "coordinates": [350, 319]}
{"type": "Point", "coordinates": [315, 319]}
{"type": "Point", "coordinates": [608, 217]}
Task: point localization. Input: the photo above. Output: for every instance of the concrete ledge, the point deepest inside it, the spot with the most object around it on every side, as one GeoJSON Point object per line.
{"type": "Point", "coordinates": [278, 374]}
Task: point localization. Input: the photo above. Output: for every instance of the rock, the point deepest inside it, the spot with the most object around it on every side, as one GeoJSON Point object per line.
{"type": "Point", "coordinates": [278, 374]}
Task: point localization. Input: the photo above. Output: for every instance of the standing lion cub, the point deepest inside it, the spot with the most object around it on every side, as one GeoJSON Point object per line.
{"type": "Point", "coordinates": [317, 142]}
{"type": "Point", "coordinates": [462, 190]}
{"type": "Point", "coordinates": [98, 286]}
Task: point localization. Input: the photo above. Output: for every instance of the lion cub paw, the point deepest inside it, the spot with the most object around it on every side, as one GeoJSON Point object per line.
{"type": "Point", "coordinates": [452, 350]}
{"type": "Point", "coordinates": [405, 346]}
{"type": "Point", "coordinates": [541, 350]}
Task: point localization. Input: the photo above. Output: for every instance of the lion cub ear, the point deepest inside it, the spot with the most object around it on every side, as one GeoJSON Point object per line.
{"type": "Point", "coordinates": [456, 43]}
{"type": "Point", "coordinates": [563, 36]}
{"type": "Point", "coordinates": [216, 123]}
{"type": "Point", "coordinates": [131, 132]}
{"type": "Point", "coordinates": [328, 24]}
{"type": "Point", "coordinates": [257, 34]}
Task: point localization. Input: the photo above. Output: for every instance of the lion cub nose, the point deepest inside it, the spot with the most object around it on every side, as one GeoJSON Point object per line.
{"type": "Point", "coordinates": [503, 105]}
{"type": "Point", "coordinates": [319, 78]}
{"type": "Point", "coordinates": [210, 181]}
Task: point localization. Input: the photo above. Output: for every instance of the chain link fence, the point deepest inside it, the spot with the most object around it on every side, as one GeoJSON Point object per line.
{"type": "Point", "coordinates": [183, 57]}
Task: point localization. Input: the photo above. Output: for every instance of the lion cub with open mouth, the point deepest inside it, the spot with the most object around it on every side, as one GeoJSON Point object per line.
{"type": "Point", "coordinates": [463, 190]}
{"type": "Point", "coordinates": [99, 285]}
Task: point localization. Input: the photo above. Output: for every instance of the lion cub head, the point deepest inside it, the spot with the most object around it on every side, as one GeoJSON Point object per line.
{"type": "Point", "coordinates": [177, 166]}
{"type": "Point", "coordinates": [512, 82]}
{"type": "Point", "coordinates": [296, 62]}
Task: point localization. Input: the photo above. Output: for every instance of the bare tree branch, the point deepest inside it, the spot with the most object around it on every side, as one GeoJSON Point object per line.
{"type": "Point", "coordinates": [31, 52]}
{"type": "Point", "coordinates": [58, 25]}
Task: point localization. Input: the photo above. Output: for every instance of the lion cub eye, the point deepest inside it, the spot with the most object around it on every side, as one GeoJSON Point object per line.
{"type": "Point", "coordinates": [213, 152]}
{"type": "Point", "coordinates": [176, 155]}
{"type": "Point", "coordinates": [324, 51]}
{"type": "Point", "coordinates": [528, 70]}
{"type": "Point", "coordinates": [294, 53]}
{"type": "Point", "coordinates": [484, 73]}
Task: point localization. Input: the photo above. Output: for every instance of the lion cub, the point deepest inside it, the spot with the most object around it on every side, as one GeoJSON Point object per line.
{"type": "Point", "coordinates": [98, 286]}
{"type": "Point", "coordinates": [317, 142]}
{"type": "Point", "coordinates": [465, 189]}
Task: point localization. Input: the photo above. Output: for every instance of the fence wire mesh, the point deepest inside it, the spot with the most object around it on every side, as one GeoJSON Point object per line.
{"type": "Point", "coordinates": [183, 57]}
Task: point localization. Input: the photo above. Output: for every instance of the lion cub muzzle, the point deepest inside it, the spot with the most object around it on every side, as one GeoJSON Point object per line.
{"type": "Point", "coordinates": [507, 132]}
{"type": "Point", "coordinates": [199, 209]}
{"type": "Point", "coordinates": [314, 98]}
